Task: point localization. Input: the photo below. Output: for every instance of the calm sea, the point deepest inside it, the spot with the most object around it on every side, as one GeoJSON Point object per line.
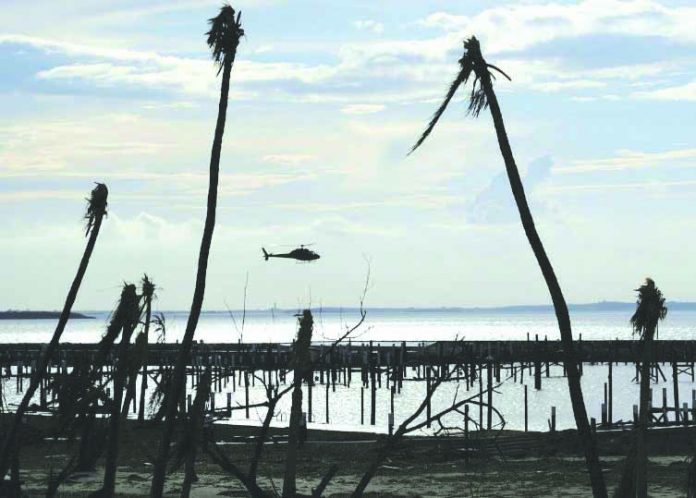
{"type": "Point", "coordinates": [379, 325]}
{"type": "Point", "coordinates": [415, 325]}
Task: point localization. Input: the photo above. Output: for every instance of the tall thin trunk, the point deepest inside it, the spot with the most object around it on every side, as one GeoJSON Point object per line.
{"type": "Point", "coordinates": [9, 445]}
{"type": "Point", "coordinates": [304, 338]}
{"type": "Point", "coordinates": [179, 376]}
{"type": "Point", "coordinates": [641, 465]}
{"type": "Point", "coordinates": [570, 360]}
{"type": "Point", "coordinates": [143, 382]}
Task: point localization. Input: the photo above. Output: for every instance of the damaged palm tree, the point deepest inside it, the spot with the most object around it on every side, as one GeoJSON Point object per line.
{"type": "Point", "coordinates": [137, 358]}
{"type": "Point", "coordinates": [82, 391]}
{"type": "Point", "coordinates": [300, 374]}
{"type": "Point", "coordinates": [223, 39]}
{"type": "Point", "coordinates": [650, 309]}
{"type": "Point", "coordinates": [474, 66]}
{"type": "Point", "coordinates": [148, 289]}
{"type": "Point", "coordinates": [96, 210]}
{"type": "Point", "coordinates": [131, 320]}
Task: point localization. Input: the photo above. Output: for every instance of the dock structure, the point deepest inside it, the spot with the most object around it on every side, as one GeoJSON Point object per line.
{"type": "Point", "coordinates": [385, 364]}
{"type": "Point", "coordinates": [252, 356]}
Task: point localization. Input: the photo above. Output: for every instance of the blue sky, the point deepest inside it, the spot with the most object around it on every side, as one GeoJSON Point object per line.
{"type": "Point", "coordinates": [326, 100]}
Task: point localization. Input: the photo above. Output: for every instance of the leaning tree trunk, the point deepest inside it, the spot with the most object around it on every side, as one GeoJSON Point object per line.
{"type": "Point", "coordinates": [641, 466]}
{"type": "Point", "coordinates": [570, 360]}
{"type": "Point", "coordinates": [301, 360]}
{"type": "Point", "coordinates": [179, 376]}
{"type": "Point", "coordinates": [9, 444]}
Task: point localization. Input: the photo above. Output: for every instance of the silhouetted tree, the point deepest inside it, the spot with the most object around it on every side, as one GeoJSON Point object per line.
{"type": "Point", "coordinates": [120, 372]}
{"type": "Point", "coordinates": [482, 96]}
{"type": "Point", "coordinates": [148, 292]}
{"type": "Point", "coordinates": [223, 39]}
{"type": "Point", "coordinates": [650, 309]}
{"type": "Point", "coordinates": [96, 210]}
{"type": "Point", "coordinates": [301, 369]}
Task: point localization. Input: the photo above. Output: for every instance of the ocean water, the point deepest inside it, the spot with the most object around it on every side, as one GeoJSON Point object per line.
{"type": "Point", "coordinates": [380, 325]}
{"type": "Point", "coordinates": [414, 325]}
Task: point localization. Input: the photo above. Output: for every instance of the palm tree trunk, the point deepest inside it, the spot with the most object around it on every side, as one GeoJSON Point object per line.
{"type": "Point", "coordinates": [301, 360]}
{"type": "Point", "coordinates": [143, 381]}
{"type": "Point", "coordinates": [641, 466]}
{"type": "Point", "coordinates": [179, 375]}
{"type": "Point", "coordinates": [9, 445]}
{"type": "Point", "coordinates": [120, 373]}
{"type": "Point", "coordinates": [570, 360]}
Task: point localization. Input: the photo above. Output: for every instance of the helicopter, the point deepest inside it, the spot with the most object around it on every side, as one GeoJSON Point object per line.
{"type": "Point", "coordinates": [300, 254]}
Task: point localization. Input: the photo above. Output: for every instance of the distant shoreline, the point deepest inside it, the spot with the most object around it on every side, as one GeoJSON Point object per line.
{"type": "Point", "coordinates": [39, 315]}
{"type": "Point", "coordinates": [601, 306]}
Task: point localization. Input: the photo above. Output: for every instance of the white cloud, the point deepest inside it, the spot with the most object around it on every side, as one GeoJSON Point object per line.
{"type": "Point", "coordinates": [362, 108]}
{"type": "Point", "coordinates": [520, 26]}
{"type": "Point", "coordinates": [369, 25]}
{"type": "Point", "coordinates": [628, 159]}
{"type": "Point", "coordinates": [679, 92]}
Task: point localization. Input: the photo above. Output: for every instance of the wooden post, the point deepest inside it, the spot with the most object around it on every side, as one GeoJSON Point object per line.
{"type": "Point", "coordinates": [427, 394]}
{"type": "Point", "coordinates": [373, 397]}
{"type": "Point", "coordinates": [328, 387]}
{"type": "Point", "coordinates": [675, 387]}
{"type": "Point", "coordinates": [391, 403]}
{"type": "Point", "coordinates": [362, 405]}
{"type": "Point", "coordinates": [685, 414]}
{"type": "Point", "coordinates": [310, 381]}
{"type": "Point", "coordinates": [526, 410]}
{"type": "Point", "coordinates": [466, 433]}
{"type": "Point", "coordinates": [610, 414]}
{"type": "Point", "coordinates": [664, 405]}
{"type": "Point", "coordinates": [604, 414]}
{"type": "Point", "coordinates": [229, 405]}
{"type": "Point", "coordinates": [246, 393]}
{"type": "Point", "coordinates": [480, 398]}
{"type": "Point", "coordinates": [537, 375]}
{"type": "Point", "coordinates": [489, 381]}
{"type": "Point", "coordinates": [553, 419]}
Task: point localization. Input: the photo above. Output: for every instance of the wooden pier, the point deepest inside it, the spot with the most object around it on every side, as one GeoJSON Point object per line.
{"type": "Point", "coordinates": [355, 355]}
{"type": "Point", "coordinates": [479, 365]}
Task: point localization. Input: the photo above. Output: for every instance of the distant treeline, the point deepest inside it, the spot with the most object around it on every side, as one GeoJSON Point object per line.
{"type": "Point", "coordinates": [34, 315]}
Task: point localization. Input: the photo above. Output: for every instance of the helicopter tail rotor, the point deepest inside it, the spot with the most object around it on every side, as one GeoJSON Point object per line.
{"type": "Point", "coordinates": [265, 254]}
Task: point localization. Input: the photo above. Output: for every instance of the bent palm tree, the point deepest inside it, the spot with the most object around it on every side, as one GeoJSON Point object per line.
{"type": "Point", "coordinates": [223, 39]}
{"type": "Point", "coordinates": [650, 309]}
{"type": "Point", "coordinates": [96, 210]}
{"type": "Point", "coordinates": [482, 96]}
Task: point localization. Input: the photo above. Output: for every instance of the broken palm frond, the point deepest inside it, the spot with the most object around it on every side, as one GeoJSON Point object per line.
{"type": "Point", "coordinates": [96, 206]}
{"type": "Point", "coordinates": [650, 309]}
{"type": "Point", "coordinates": [224, 35]}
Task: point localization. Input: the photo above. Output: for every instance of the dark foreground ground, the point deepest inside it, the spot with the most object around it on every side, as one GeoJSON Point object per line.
{"type": "Point", "coordinates": [513, 465]}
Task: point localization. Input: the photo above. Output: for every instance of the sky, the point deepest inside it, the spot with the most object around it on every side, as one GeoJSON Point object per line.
{"type": "Point", "coordinates": [326, 100]}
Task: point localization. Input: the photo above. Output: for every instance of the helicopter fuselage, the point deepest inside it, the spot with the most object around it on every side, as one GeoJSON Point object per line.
{"type": "Point", "coordinates": [300, 254]}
